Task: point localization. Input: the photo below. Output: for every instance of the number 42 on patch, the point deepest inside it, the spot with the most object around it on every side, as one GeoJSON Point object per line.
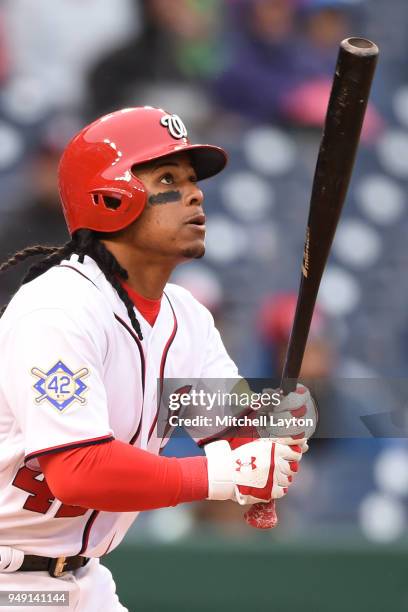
{"type": "Point", "coordinates": [60, 386]}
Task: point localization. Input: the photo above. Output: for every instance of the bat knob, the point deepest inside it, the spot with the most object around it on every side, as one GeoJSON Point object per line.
{"type": "Point", "coordinates": [262, 516]}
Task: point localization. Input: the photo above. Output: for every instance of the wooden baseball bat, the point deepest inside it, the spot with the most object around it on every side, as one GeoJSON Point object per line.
{"type": "Point", "coordinates": [352, 80]}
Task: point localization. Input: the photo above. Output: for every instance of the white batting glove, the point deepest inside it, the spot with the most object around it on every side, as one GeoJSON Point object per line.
{"type": "Point", "coordinates": [294, 419]}
{"type": "Point", "coordinates": [256, 472]}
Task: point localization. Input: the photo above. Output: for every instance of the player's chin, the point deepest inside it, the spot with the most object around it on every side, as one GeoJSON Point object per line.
{"type": "Point", "coordinates": [194, 251]}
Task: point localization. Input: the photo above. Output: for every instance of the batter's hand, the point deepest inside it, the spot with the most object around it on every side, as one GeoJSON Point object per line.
{"type": "Point", "coordinates": [298, 411]}
{"type": "Point", "coordinates": [256, 472]}
{"type": "Point", "coordinates": [294, 409]}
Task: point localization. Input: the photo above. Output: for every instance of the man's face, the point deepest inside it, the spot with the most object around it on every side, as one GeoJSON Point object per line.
{"type": "Point", "coordinates": [172, 224]}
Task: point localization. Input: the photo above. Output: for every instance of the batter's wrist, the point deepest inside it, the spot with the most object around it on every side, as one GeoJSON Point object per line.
{"type": "Point", "coordinates": [219, 465]}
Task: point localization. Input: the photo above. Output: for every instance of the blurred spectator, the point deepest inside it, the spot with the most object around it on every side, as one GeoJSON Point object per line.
{"type": "Point", "coordinates": [39, 220]}
{"type": "Point", "coordinates": [282, 60]}
{"type": "Point", "coordinates": [275, 320]}
{"type": "Point", "coordinates": [323, 25]}
{"type": "Point", "coordinates": [4, 47]}
{"type": "Point", "coordinates": [262, 65]}
{"type": "Point", "coordinates": [53, 42]}
{"type": "Point", "coordinates": [339, 407]}
{"type": "Point", "coordinates": [178, 45]}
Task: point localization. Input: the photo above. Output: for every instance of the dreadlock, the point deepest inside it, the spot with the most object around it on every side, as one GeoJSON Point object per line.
{"type": "Point", "coordinates": [83, 242]}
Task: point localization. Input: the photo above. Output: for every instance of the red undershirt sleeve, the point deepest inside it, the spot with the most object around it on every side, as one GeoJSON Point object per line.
{"type": "Point", "coordinates": [117, 477]}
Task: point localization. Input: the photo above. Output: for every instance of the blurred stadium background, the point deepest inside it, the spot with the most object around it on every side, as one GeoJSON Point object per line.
{"type": "Point", "coordinates": [253, 76]}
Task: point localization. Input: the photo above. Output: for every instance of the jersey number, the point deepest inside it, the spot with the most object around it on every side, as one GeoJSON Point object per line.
{"type": "Point", "coordinates": [40, 497]}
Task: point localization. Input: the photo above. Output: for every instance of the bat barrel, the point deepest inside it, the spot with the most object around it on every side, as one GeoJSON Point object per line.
{"type": "Point", "coordinates": [353, 76]}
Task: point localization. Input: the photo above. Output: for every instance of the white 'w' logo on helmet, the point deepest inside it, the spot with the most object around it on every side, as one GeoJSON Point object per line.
{"type": "Point", "coordinates": [174, 124]}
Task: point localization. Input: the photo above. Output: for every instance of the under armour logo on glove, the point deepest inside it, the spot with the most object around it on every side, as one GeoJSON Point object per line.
{"type": "Point", "coordinates": [242, 464]}
{"type": "Point", "coordinates": [175, 126]}
{"type": "Point", "coordinates": [254, 472]}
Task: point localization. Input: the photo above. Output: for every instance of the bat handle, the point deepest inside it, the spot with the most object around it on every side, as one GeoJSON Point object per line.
{"type": "Point", "coordinates": [264, 516]}
{"type": "Point", "coordinates": [292, 365]}
{"type": "Point", "coordinates": [288, 385]}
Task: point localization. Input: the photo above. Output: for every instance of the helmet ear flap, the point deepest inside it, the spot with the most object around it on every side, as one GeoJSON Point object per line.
{"type": "Point", "coordinates": [116, 207]}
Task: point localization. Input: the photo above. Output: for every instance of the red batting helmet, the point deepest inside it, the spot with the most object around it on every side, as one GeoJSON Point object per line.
{"type": "Point", "coordinates": [97, 187]}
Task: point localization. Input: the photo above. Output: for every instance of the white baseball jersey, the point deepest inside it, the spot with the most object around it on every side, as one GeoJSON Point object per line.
{"type": "Point", "coordinates": [74, 373]}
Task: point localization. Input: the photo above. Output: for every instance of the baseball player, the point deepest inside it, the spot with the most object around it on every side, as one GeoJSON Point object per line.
{"type": "Point", "coordinates": [84, 341]}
